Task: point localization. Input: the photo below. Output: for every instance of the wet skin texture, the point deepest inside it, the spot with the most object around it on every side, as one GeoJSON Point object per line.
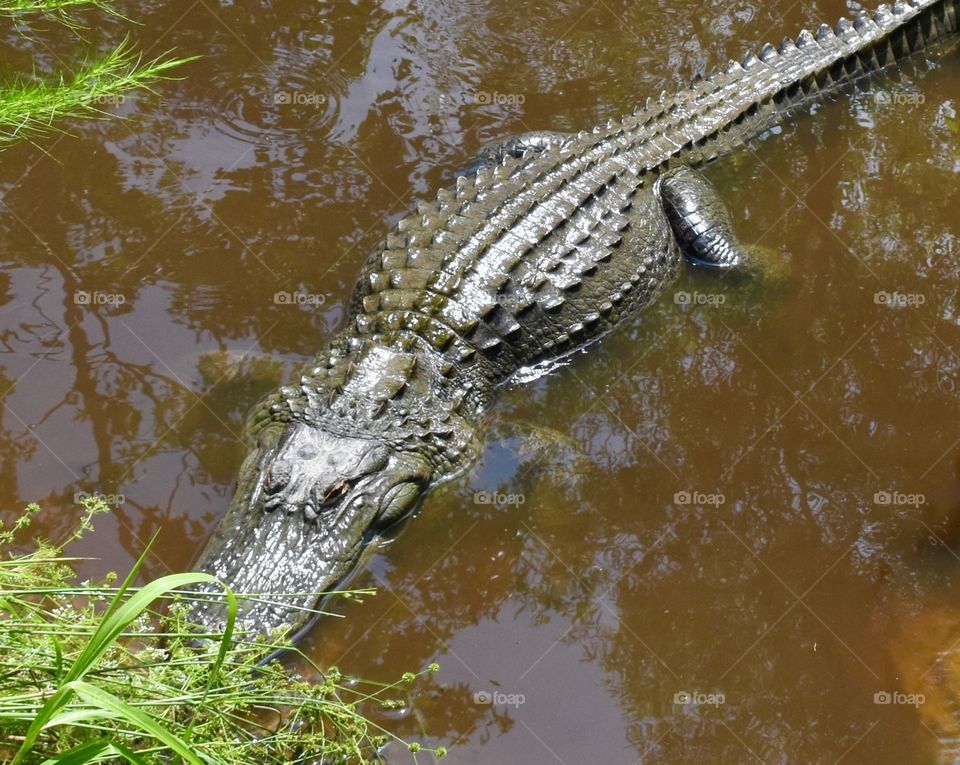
{"type": "Point", "coordinates": [547, 243]}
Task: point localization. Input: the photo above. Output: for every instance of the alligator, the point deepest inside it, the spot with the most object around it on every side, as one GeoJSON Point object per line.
{"type": "Point", "coordinates": [548, 242]}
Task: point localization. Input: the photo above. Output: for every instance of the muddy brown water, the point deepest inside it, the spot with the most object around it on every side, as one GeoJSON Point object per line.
{"type": "Point", "coordinates": [748, 496]}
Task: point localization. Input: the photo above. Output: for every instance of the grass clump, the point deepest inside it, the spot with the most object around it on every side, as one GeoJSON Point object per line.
{"type": "Point", "coordinates": [58, 10]}
{"type": "Point", "coordinates": [101, 673]}
{"type": "Point", "coordinates": [32, 104]}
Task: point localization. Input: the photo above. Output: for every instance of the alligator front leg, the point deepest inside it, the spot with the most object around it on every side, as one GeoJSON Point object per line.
{"type": "Point", "coordinates": [700, 220]}
{"type": "Point", "coordinates": [494, 153]}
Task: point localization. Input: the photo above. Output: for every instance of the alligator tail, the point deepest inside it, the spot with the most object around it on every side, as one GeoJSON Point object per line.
{"type": "Point", "coordinates": [746, 98]}
{"type": "Point", "coordinates": [869, 45]}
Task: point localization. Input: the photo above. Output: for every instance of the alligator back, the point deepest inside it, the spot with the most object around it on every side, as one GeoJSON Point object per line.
{"type": "Point", "coordinates": [531, 258]}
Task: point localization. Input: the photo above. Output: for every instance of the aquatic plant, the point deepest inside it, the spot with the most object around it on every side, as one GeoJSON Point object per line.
{"type": "Point", "coordinates": [106, 672]}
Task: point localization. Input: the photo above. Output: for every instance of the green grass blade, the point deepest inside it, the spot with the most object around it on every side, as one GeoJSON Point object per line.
{"type": "Point", "coordinates": [53, 705]}
{"type": "Point", "coordinates": [126, 584]}
{"type": "Point", "coordinates": [121, 613]}
{"type": "Point", "coordinates": [82, 754]}
{"type": "Point", "coordinates": [73, 715]}
{"type": "Point", "coordinates": [225, 642]}
{"type": "Point", "coordinates": [128, 754]}
{"type": "Point", "coordinates": [147, 723]}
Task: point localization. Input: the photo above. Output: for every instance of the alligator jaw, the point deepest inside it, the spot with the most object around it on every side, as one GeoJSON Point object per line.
{"type": "Point", "coordinates": [278, 560]}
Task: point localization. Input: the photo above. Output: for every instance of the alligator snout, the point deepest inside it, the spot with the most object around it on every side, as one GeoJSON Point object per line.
{"type": "Point", "coordinates": [327, 493]}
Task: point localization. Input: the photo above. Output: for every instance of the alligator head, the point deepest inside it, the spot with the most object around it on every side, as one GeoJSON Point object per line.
{"type": "Point", "coordinates": [306, 504]}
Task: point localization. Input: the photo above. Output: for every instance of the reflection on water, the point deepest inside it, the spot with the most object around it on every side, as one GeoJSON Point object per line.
{"type": "Point", "coordinates": [714, 537]}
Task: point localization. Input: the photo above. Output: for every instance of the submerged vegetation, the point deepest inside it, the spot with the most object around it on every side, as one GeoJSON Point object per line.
{"type": "Point", "coordinates": [99, 673]}
{"type": "Point", "coordinates": [32, 104]}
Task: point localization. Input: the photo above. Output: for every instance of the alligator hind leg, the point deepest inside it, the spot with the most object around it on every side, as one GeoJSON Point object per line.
{"type": "Point", "coordinates": [493, 154]}
{"type": "Point", "coordinates": [700, 220]}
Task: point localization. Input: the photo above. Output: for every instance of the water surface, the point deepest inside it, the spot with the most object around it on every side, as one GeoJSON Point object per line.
{"type": "Point", "coordinates": [749, 496]}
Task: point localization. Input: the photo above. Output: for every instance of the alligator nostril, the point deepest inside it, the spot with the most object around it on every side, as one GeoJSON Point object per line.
{"type": "Point", "coordinates": [273, 502]}
{"type": "Point", "coordinates": [306, 453]}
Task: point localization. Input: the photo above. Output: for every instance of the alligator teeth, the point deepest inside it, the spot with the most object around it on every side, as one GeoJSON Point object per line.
{"type": "Point", "coordinates": [768, 53]}
{"type": "Point", "coordinates": [804, 39]}
{"type": "Point", "coordinates": [844, 27]}
{"type": "Point", "coordinates": [732, 67]}
{"type": "Point", "coordinates": [749, 60]}
{"type": "Point", "coordinates": [863, 22]}
{"type": "Point", "coordinates": [882, 14]}
{"type": "Point", "coordinates": [824, 33]}
{"type": "Point", "coordinates": [900, 8]}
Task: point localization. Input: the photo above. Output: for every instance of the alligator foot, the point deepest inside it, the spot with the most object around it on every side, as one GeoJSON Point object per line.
{"type": "Point", "coordinates": [700, 220]}
{"type": "Point", "coordinates": [494, 153]}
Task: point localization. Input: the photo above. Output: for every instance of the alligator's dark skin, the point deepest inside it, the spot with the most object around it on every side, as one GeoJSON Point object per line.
{"type": "Point", "coordinates": [548, 244]}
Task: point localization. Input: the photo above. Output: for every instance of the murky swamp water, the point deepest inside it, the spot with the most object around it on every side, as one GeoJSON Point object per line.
{"type": "Point", "coordinates": [714, 538]}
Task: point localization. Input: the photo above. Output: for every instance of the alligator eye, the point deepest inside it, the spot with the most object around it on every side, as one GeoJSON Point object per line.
{"type": "Point", "coordinates": [372, 461]}
{"type": "Point", "coordinates": [397, 502]}
{"type": "Point", "coordinates": [334, 493]}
